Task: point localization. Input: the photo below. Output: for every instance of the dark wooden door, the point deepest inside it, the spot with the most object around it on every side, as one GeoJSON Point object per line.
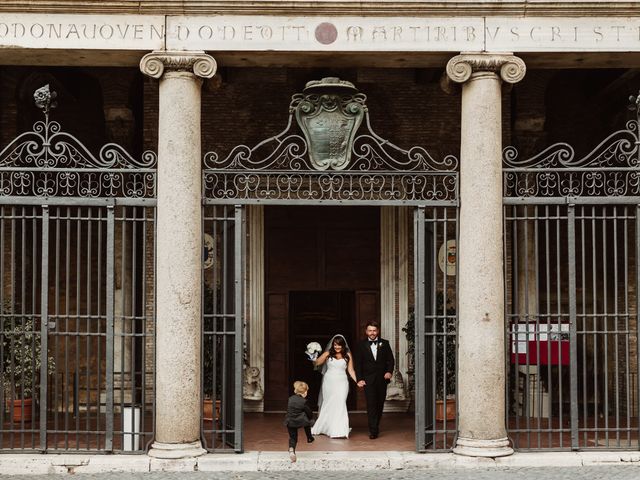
{"type": "Point", "coordinates": [317, 316]}
{"type": "Point", "coordinates": [277, 387]}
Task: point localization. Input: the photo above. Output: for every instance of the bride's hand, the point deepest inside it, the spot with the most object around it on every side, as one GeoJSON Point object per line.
{"type": "Point", "coordinates": [321, 359]}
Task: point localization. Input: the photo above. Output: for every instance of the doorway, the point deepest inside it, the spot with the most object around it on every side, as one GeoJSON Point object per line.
{"type": "Point", "coordinates": [317, 317]}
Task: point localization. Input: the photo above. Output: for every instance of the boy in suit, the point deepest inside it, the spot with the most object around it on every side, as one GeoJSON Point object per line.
{"type": "Point", "coordinates": [298, 415]}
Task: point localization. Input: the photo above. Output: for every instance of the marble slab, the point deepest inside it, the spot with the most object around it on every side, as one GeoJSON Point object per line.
{"type": "Point", "coordinates": [92, 32]}
{"type": "Point", "coordinates": [238, 33]}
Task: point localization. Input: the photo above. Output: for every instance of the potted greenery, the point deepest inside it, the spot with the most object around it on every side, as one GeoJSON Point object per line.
{"type": "Point", "coordinates": [445, 358]}
{"type": "Point", "coordinates": [21, 362]}
{"type": "Point", "coordinates": [409, 331]}
{"type": "Point", "coordinates": [445, 361]}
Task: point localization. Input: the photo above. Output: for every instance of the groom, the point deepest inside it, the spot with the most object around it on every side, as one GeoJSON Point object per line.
{"type": "Point", "coordinates": [374, 368]}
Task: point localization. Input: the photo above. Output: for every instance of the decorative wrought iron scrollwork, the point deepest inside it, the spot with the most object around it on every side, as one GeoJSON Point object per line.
{"type": "Point", "coordinates": [611, 169]}
{"type": "Point", "coordinates": [283, 168]}
{"type": "Point", "coordinates": [318, 186]}
{"type": "Point", "coordinates": [49, 162]}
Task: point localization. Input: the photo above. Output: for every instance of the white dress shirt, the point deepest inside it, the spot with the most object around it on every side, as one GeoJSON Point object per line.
{"type": "Point", "coordinates": [374, 348]}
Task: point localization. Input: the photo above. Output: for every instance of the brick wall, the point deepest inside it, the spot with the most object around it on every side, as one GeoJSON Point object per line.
{"type": "Point", "coordinates": [252, 105]}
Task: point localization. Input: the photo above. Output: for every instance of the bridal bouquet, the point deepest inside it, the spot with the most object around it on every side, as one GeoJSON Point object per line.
{"type": "Point", "coordinates": [313, 350]}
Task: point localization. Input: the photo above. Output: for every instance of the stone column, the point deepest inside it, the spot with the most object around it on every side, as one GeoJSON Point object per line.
{"type": "Point", "coordinates": [120, 129]}
{"type": "Point", "coordinates": [388, 279]}
{"type": "Point", "coordinates": [481, 348]}
{"type": "Point", "coordinates": [178, 251]}
{"type": "Point", "coordinates": [527, 288]}
{"type": "Point", "coordinates": [122, 320]}
{"type": "Point", "coordinates": [253, 390]}
{"type": "Point", "coordinates": [394, 298]}
{"type": "Point", "coordinates": [402, 359]}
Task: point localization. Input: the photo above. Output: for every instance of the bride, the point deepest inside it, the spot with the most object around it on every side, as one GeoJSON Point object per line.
{"type": "Point", "coordinates": [336, 362]}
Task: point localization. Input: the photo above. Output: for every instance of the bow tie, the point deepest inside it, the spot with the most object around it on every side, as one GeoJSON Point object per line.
{"type": "Point", "coordinates": [373, 342]}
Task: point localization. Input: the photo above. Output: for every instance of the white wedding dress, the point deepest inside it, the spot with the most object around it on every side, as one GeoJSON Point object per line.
{"type": "Point", "coordinates": [333, 419]}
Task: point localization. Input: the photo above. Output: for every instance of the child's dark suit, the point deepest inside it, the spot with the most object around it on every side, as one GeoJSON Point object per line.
{"type": "Point", "coordinates": [298, 415]}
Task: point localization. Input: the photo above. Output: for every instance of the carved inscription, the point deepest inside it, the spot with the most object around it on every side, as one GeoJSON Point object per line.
{"type": "Point", "coordinates": [559, 34]}
{"type": "Point", "coordinates": [408, 34]}
{"type": "Point", "coordinates": [81, 31]}
{"type": "Point", "coordinates": [253, 33]}
{"type": "Point", "coordinates": [327, 33]}
{"type": "Point", "coordinates": [125, 32]}
{"type": "Point", "coordinates": [341, 33]}
{"type": "Point", "coordinates": [226, 32]}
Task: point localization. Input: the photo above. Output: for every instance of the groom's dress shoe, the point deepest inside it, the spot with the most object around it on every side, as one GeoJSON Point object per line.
{"type": "Point", "coordinates": [310, 440]}
{"type": "Point", "coordinates": [373, 436]}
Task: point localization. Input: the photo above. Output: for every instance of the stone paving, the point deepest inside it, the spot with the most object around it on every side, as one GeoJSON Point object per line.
{"type": "Point", "coordinates": [617, 472]}
{"type": "Point", "coordinates": [327, 465]}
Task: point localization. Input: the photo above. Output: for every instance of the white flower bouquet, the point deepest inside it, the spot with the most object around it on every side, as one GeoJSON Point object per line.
{"type": "Point", "coordinates": [313, 350]}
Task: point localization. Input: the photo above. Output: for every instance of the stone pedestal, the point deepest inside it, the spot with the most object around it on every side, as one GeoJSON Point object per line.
{"type": "Point", "coordinates": [178, 251]}
{"type": "Point", "coordinates": [481, 348]}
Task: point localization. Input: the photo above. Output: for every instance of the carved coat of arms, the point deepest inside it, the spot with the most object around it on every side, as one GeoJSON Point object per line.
{"type": "Point", "coordinates": [329, 116]}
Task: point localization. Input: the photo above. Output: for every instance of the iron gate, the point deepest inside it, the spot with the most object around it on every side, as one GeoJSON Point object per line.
{"type": "Point", "coordinates": [321, 158]}
{"type": "Point", "coordinates": [436, 235]}
{"type": "Point", "coordinates": [571, 246]}
{"type": "Point", "coordinates": [76, 270]}
{"type": "Point", "coordinates": [222, 344]}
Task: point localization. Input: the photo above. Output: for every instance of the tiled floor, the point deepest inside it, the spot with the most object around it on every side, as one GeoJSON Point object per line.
{"type": "Point", "coordinates": [265, 432]}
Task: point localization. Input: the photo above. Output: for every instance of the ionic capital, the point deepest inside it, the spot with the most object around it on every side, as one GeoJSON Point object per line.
{"type": "Point", "coordinates": [155, 64]}
{"type": "Point", "coordinates": [510, 68]}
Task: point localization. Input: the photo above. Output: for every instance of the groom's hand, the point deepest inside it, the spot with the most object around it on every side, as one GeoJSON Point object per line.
{"type": "Point", "coordinates": [361, 383]}
{"type": "Point", "coordinates": [387, 376]}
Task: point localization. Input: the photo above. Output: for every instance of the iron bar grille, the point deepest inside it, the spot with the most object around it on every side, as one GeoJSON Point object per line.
{"type": "Point", "coordinates": [571, 269]}
{"type": "Point", "coordinates": [49, 162]}
{"type": "Point", "coordinates": [77, 273]}
{"type": "Point", "coordinates": [435, 231]}
{"type": "Point", "coordinates": [78, 334]}
{"type": "Point", "coordinates": [610, 170]}
{"type": "Point", "coordinates": [222, 327]}
{"type": "Point", "coordinates": [572, 316]}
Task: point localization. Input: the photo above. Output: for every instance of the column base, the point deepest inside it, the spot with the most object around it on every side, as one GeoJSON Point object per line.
{"type": "Point", "coordinates": [176, 450]}
{"type": "Point", "coordinates": [472, 447]}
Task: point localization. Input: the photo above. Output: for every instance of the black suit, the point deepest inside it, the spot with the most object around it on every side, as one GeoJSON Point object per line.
{"type": "Point", "coordinates": [298, 415]}
{"type": "Point", "coordinates": [372, 371]}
